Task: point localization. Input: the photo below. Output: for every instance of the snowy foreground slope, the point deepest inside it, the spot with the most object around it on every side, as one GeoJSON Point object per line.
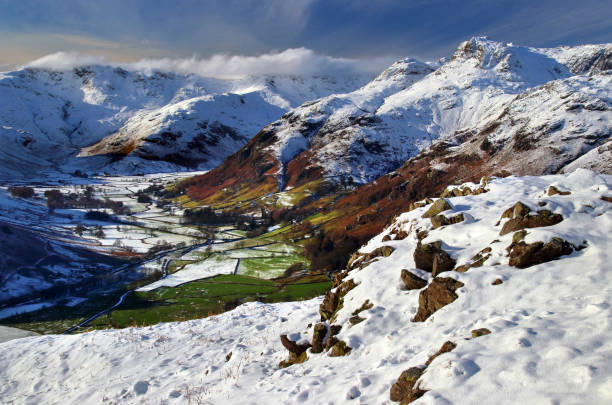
{"type": "Point", "coordinates": [550, 334]}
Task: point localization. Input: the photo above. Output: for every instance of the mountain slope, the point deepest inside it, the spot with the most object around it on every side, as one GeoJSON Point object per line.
{"type": "Point", "coordinates": [357, 137]}
{"type": "Point", "coordinates": [538, 334]}
{"type": "Point", "coordinates": [160, 121]}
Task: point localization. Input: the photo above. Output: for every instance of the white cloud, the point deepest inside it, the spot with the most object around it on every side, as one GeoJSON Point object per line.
{"type": "Point", "coordinates": [298, 61]}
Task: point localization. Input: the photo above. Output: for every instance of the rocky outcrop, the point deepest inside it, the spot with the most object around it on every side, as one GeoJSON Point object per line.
{"type": "Point", "coordinates": [521, 217]}
{"type": "Point", "coordinates": [524, 255]}
{"type": "Point", "coordinates": [340, 348]}
{"type": "Point", "coordinates": [438, 294]}
{"type": "Point", "coordinates": [360, 260]}
{"type": "Point", "coordinates": [318, 338]}
{"type": "Point", "coordinates": [333, 300]}
{"type": "Point", "coordinates": [440, 220]}
{"type": "Point", "coordinates": [431, 257]}
{"type": "Point", "coordinates": [446, 347]}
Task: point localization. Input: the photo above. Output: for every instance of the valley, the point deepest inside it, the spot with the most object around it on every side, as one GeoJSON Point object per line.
{"type": "Point", "coordinates": [173, 270]}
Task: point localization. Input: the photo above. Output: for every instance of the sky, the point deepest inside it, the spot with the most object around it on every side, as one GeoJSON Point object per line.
{"type": "Point", "coordinates": [325, 32]}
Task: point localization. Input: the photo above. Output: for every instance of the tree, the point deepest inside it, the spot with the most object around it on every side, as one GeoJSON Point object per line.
{"type": "Point", "coordinates": [79, 229]}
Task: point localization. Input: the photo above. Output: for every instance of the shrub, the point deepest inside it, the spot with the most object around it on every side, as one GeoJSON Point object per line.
{"type": "Point", "coordinates": [21, 191]}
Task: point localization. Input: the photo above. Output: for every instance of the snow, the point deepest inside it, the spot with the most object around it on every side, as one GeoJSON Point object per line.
{"type": "Point", "coordinates": [195, 271]}
{"type": "Point", "coordinates": [550, 323]}
{"type": "Point", "coordinates": [373, 130]}
{"type": "Point", "coordinates": [7, 333]}
{"type": "Point", "coordinates": [61, 121]}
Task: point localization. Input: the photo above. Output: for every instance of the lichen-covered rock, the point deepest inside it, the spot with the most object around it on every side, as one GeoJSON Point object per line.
{"type": "Point", "coordinates": [340, 349]}
{"type": "Point", "coordinates": [437, 207]}
{"type": "Point", "coordinates": [440, 220]}
{"type": "Point", "coordinates": [438, 294]}
{"type": "Point", "coordinates": [405, 389]}
{"type": "Point", "coordinates": [524, 255]}
{"type": "Point", "coordinates": [480, 332]}
{"type": "Point", "coordinates": [293, 359]}
{"type": "Point", "coordinates": [412, 281]}
{"type": "Point", "coordinates": [318, 338]}
{"type": "Point", "coordinates": [541, 218]}
{"type": "Point", "coordinates": [431, 256]}
{"type": "Point", "coordinates": [355, 319]}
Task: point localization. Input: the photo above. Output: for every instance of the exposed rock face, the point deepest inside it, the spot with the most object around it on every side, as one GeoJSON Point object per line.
{"type": "Point", "coordinates": [437, 207]}
{"type": "Point", "coordinates": [524, 255]}
{"type": "Point", "coordinates": [405, 389]}
{"type": "Point", "coordinates": [412, 281]}
{"type": "Point", "coordinates": [431, 257]}
{"type": "Point", "coordinates": [521, 218]}
{"type": "Point", "coordinates": [438, 294]}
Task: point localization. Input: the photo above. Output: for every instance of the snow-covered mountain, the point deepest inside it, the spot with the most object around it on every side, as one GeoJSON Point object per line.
{"type": "Point", "coordinates": [554, 104]}
{"type": "Point", "coordinates": [103, 118]}
{"type": "Point", "coordinates": [505, 318]}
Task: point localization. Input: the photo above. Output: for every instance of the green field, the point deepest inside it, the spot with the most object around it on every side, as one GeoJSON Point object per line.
{"type": "Point", "coordinates": [192, 300]}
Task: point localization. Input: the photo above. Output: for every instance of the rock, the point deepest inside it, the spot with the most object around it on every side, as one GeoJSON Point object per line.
{"type": "Point", "coordinates": [331, 342]}
{"type": "Point", "coordinates": [386, 238]}
{"type": "Point", "coordinates": [412, 281]}
{"type": "Point", "coordinates": [400, 235]}
{"type": "Point", "coordinates": [480, 332]}
{"type": "Point", "coordinates": [355, 319]}
{"type": "Point", "coordinates": [440, 220]}
{"type": "Point", "coordinates": [446, 347]}
{"type": "Point", "coordinates": [362, 259]}
{"type": "Point", "coordinates": [517, 210]}
{"type": "Point", "coordinates": [318, 338]}
{"type": "Point", "coordinates": [552, 190]}
{"type": "Point", "coordinates": [293, 359]}
{"type": "Point", "coordinates": [476, 261]}
{"type": "Point", "coordinates": [442, 262]}
{"type": "Point", "coordinates": [405, 389]}
{"type": "Point", "coordinates": [334, 330]}
{"type": "Point", "coordinates": [438, 294]}
{"type": "Point", "coordinates": [497, 281]}
{"type": "Point", "coordinates": [541, 203]}
{"type": "Point", "coordinates": [606, 198]}
{"type": "Point", "coordinates": [228, 357]}
{"type": "Point", "coordinates": [542, 218]}
{"type": "Point", "coordinates": [426, 256]}
{"type": "Point", "coordinates": [340, 349]}
{"type": "Point", "coordinates": [333, 299]}
{"type": "Point", "coordinates": [292, 346]}
{"type": "Point", "coordinates": [437, 207]}
{"type": "Point", "coordinates": [524, 255]}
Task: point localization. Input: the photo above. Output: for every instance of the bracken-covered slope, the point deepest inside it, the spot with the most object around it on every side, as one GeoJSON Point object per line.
{"type": "Point", "coordinates": [518, 317]}
{"type": "Point", "coordinates": [101, 118]}
{"type": "Point", "coordinates": [541, 101]}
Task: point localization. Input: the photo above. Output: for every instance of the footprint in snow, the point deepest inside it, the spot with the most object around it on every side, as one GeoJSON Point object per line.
{"type": "Point", "coordinates": [141, 387]}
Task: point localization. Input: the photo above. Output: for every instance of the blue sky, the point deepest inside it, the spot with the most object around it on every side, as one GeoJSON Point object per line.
{"type": "Point", "coordinates": [127, 30]}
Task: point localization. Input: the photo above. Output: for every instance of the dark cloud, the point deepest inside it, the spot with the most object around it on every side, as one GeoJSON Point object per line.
{"type": "Point", "coordinates": [340, 28]}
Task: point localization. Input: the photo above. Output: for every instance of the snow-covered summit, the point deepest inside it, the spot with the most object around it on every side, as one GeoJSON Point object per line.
{"type": "Point", "coordinates": [48, 116]}
{"type": "Point", "coordinates": [373, 130]}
